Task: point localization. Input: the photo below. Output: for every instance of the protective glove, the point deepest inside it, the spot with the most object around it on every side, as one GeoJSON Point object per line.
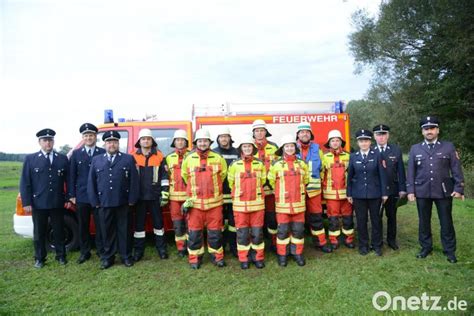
{"type": "Point", "coordinates": [165, 198]}
{"type": "Point", "coordinates": [187, 205]}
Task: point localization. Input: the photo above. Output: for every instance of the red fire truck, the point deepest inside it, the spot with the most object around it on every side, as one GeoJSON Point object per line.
{"type": "Point", "coordinates": [281, 118]}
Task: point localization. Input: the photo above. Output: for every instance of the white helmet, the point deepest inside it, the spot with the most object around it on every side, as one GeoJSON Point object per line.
{"type": "Point", "coordinates": [248, 139]}
{"type": "Point", "coordinates": [202, 134]}
{"type": "Point", "coordinates": [332, 134]}
{"type": "Point", "coordinates": [260, 124]}
{"type": "Point", "coordinates": [145, 132]}
{"type": "Point", "coordinates": [180, 133]}
{"type": "Point", "coordinates": [224, 131]}
{"type": "Point", "coordinates": [304, 126]}
{"type": "Point", "coordinates": [286, 139]}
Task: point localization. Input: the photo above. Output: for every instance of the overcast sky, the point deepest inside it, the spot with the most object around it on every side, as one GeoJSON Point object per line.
{"type": "Point", "coordinates": [63, 62]}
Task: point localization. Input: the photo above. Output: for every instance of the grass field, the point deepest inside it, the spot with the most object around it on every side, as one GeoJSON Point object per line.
{"type": "Point", "coordinates": [340, 283]}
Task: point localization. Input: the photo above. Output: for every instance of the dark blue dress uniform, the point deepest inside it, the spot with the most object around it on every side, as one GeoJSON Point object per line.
{"type": "Point", "coordinates": [80, 162]}
{"type": "Point", "coordinates": [112, 187]}
{"type": "Point", "coordinates": [396, 182]}
{"type": "Point", "coordinates": [434, 173]}
{"type": "Point", "coordinates": [366, 184]}
{"type": "Point", "coordinates": [42, 186]}
{"type": "Point", "coordinates": [230, 232]}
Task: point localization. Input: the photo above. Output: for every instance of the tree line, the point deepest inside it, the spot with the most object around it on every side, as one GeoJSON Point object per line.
{"type": "Point", "coordinates": [421, 54]}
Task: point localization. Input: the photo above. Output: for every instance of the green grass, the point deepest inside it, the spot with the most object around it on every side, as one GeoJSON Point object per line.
{"type": "Point", "coordinates": [339, 283]}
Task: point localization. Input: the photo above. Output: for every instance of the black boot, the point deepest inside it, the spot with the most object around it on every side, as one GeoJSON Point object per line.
{"type": "Point", "coordinates": [244, 265]}
{"type": "Point", "coordinates": [299, 260]}
{"type": "Point", "coordinates": [182, 253]}
{"type": "Point", "coordinates": [282, 262]}
{"type": "Point", "coordinates": [326, 248]}
{"type": "Point", "coordinates": [259, 264]}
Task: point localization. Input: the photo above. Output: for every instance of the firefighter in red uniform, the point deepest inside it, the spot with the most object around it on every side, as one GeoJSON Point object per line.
{"type": "Point", "coordinates": [154, 187]}
{"type": "Point", "coordinates": [174, 161]}
{"type": "Point", "coordinates": [204, 172]}
{"type": "Point", "coordinates": [266, 153]}
{"type": "Point", "coordinates": [288, 176]}
{"type": "Point", "coordinates": [334, 174]}
{"type": "Point", "coordinates": [246, 177]}
{"type": "Point", "coordinates": [312, 155]}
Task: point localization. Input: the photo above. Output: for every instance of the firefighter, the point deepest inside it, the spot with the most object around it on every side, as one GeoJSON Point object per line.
{"type": "Point", "coordinates": [288, 176]}
{"type": "Point", "coordinates": [312, 155]}
{"type": "Point", "coordinates": [230, 154]}
{"type": "Point", "coordinates": [266, 153]}
{"type": "Point", "coordinates": [396, 180]}
{"type": "Point", "coordinates": [154, 192]}
{"type": "Point", "coordinates": [113, 187]}
{"type": "Point", "coordinates": [247, 176]}
{"type": "Point", "coordinates": [435, 176]}
{"type": "Point", "coordinates": [42, 184]}
{"type": "Point", "coordinates": [367, 191]}
{"type": "Point", "coordinates": [204, 172]}
{"type": "Point", "coordinates": [334, 173]}
{"type": "Point", "coordinates": [79, 164]}
{"type": "Point", "coordinates": [177, 192]}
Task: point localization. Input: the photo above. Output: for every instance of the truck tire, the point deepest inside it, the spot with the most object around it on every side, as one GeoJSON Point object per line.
{"type": "Point", "coordinates": [71, 234]}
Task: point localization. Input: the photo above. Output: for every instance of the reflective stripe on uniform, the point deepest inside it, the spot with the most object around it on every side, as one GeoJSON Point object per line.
{"type": "Point", "coordinates": [212, 250]}
{"type": "Point", "coordinates": [297, 241]}
{"type": "Point", "coordinates": [158, 232]}
{"type": "Point", "coordinates": [348, 232]}
{"type": "Point", "coordinates": [196, 252]}
{"type": "Point", "coordinates": [242, 247]}
{"type": "Point", "coordinates": [178, 238]}
{"type": "Point", "coordinates": [258, 246]}
{"type": "Point", "coordinates": [285, 241]}
{"type": "Point", "coordinates": [139, 234]}
{"type": "Point", "coordinates": [334, 232]}
{"type": "Point", "coordinates": [317, 232]}
{"type": "Point", "coordinates": [272, 231]}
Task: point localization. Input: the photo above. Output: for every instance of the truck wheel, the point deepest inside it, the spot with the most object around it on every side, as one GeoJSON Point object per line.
{"type": "Point", "coordinates": [71, 234]}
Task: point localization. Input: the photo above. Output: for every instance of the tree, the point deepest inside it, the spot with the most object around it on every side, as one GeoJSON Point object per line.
{"type": "Point", "coordinates": [422, 57]}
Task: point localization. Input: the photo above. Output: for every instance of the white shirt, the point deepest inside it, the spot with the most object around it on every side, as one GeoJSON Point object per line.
{"type": "Point", "coordinates": [51, 154]}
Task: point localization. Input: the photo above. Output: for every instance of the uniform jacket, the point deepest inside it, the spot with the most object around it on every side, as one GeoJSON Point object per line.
{"type": "Point", "coordinates": [289, 179]}
{"type": "Point", "coordinates": [204, 176]}
{"type": "Point", "coordinates": [366, 179]}
{"type": "Point", "coordinates": [266, 153]}
{"type": "Point", "coordinates": [152, 173]}
{"type": "Point", "coordinates": [174, 162]}
{"type": "Point", "coordinates": [113, 184]}
{"type": "Point", "coordinates": [246, 179]}
{"type": "Point", "coordinates": [334, 174]}
{"type": "Point", "coordinates": [79, 166]}
{"type": "Point", "coordinates": [395, 170]}
{"type": "Point", "coordinates": [313, 160]}
{"type": "Point", "coordinates": [230, 155]}
{"type": "Point", "coordinates": [42, 185]}
{"type": "Point", "coordinates": [434, 173]}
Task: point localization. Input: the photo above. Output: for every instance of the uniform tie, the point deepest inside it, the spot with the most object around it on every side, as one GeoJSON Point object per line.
{"type": "Point", "coordinates": [431, 146]}
{"type": "Point", "coordinates": [49, 158]}
{"type": "Point", "coordinates": [89, 152]}
{"type": "Point", "coordinates": [364, 156]}
{"type": "Point", "coordinates": [382, 149]}
{"type": "Point", "coordinates": [111, 158]}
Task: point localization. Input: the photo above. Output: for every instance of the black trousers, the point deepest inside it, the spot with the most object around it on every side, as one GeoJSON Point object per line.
{"type": "Point", "coordinates": [114, 226]}
{"type": "Point", "coordinates": [448, 235]}
{"type": "Point", "coordinates": [364, 207]}
{"type": "Point", "coordinates": [84, 212]}
{"type": "Point", "coordinates": [40, 231]}
{"type": "Point", "coordinates": [390, 208]}
{"type": "Point", "coordinates": [140, 217]}
{"type": "Point", "coordinates": [229, 235]}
